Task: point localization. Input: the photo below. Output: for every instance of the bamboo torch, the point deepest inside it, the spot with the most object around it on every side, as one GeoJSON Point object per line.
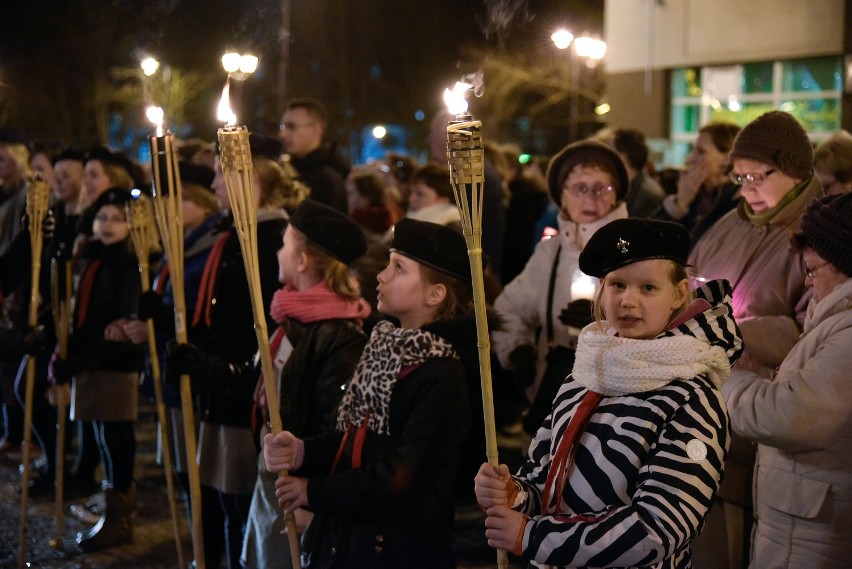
{"type": "Point", "coordinates": [167, 209]}
{"type": "Point", "coordinates": [466, 157]}
{"type": "Point", "coordinates": [38, 192]}
{"type": "Point", "coordinates": [62, 323]}
{"type": "Point", "coordinates": [235, 157]}
{"type": "Point", "coordinates": [144, 237]}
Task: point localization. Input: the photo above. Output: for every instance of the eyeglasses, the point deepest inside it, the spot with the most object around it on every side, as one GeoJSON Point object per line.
{"type": "Point", "coordinates": [809, 271]}
{"type": "Point", "coordinates": [754, 179]}
{"type": "Point", "coordinates": [294, 125]}
{"type": "Point", "coordinates": [597, 191]}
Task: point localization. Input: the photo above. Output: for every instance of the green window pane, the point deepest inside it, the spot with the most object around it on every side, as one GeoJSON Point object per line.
{"type": "Point", "coordinates": [757, 77]}
{"type": "Point", "coordinates": [686, 82]}
{"type": "Point", "coordinates": [685, 119]}
{"type": "Point", "coordinates": [744, 115]}
{"type": "Point", "coordinates": [816, 115]}
{"type": "Point", "coordinates": [817, 74]}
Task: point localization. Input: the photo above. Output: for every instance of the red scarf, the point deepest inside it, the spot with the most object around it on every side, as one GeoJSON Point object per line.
{"type": "Point", "coordinates": [86, 291]}
{"type": "Point", "coordinates": [312, 305]}
{"type": "Point", "coordinates": [208, 281]}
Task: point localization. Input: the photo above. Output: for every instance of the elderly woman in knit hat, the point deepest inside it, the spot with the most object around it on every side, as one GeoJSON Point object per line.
{"type": "Point", "coordinates": [772, 161]}
{"type": "Point", "coordinates": [802, 417]}
{"type": "Point", "coordinates": [588, 181]}
{"type": "Point", "coordinates": [833, 163]}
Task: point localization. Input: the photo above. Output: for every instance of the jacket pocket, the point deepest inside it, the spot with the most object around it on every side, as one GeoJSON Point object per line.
{"type": "Point", "coordinates": [791, 493]}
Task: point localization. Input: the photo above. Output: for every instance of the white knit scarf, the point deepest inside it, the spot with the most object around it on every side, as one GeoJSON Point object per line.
{"type": "Point", "coordinates": [612, 365]}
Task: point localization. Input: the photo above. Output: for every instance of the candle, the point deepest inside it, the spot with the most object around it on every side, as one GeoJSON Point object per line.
{"type": "Point", "coordinates": [582, 286]}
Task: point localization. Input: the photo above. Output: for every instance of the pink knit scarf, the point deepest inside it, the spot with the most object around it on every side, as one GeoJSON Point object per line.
{"type": "Point", "coordinates": [317, 303]}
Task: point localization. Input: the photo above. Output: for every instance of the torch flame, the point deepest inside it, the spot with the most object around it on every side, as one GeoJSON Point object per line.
{"type": "Point", "coordinates": [223, 111]}
{"type": "Point", "coordinates": [455, 98]}
{"type": "Point", "coordinates": [155, 115]}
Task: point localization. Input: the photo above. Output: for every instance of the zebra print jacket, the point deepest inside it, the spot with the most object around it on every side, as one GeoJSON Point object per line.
{"type": "Point", "coordinates": [646, 468]}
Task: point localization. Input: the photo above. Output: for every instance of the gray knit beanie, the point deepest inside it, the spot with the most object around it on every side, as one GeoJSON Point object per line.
{"type": "Point", "coordinates": [826, 227]}
{"type": "Point", "coordinates": [777, 139]}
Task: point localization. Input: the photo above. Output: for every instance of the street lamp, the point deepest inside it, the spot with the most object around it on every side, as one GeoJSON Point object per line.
{"type": "Point", "coordinates": [149, 66]}
{"type": "Point", "coordinates": [589, 48]}
{"type": "Point", "coordinates": [239, 65]}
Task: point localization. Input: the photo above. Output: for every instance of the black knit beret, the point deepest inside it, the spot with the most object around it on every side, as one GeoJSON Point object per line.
{"type": "Point", "coordinates": [198, 174]}
{"type": "Point", "coordinates": [436, 246]}
{"type": "Point", "coordinates": [624, 241]}
{"type": "Point", "coordinates": [330, 230]}
{"type": "Point", "coordinates": [265, 146]}
{"type": "Point", "coordinates": [586, 151]}
{"type": "Point", "coordinates": [777, 139]}
{"type": "Point", "coordinates": [827, 229]}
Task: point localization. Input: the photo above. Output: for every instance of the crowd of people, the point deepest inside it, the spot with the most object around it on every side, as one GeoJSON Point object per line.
{"type": "Point", "coordinates": [674, 362]}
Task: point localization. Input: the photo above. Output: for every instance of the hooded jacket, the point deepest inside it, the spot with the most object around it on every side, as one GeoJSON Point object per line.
{"type": "Point", "coordinates": [647, 464]}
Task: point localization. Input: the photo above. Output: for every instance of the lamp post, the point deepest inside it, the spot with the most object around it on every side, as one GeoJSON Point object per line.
{"type": "Point", "coordinates": [586, 47]}
{"type": "Point", "coordinates": [239, 66]}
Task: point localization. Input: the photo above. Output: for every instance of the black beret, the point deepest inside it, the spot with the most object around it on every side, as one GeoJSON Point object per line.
{"type": "Point", "coordinates": [330, 230]}
{"type": "Point", "coordinates": [114, 196]}
{"type": "Point", "coordinates": [437, 246]}
{"type": "Point", "coordinates": [586, 151]}
{"type": "Point", "coordinates": [198, 174]}
{"type": "Point", "coordinates": [107, 156]}
{"type": "Point", "coordinates": [265, 146]}
{"type": "Point", "coordinates": [70, 154]}
{"type": "Point", "coordinates": [625, 241]}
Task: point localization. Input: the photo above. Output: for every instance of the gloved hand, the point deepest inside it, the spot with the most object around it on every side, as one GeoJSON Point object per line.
{"type": "Point", "coordinates": [35, 340]}
{"type": "Point", "coordinates": [522, 359]}
{"type": "Point", "coordinates": [577, 314]}
{"type": "Point", "coordinates": [60, 371]}
{"type": "Point", "coordinates": [149, 305]}
{"type": "Point", "coordinates": [183, 359]}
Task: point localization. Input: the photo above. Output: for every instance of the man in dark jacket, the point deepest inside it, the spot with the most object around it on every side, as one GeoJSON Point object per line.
{"type": "Point", "coordinates": [319, 165]}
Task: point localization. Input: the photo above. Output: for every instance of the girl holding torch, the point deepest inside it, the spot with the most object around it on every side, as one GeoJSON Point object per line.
{"type": "Point", "coordinates": [381, 486]}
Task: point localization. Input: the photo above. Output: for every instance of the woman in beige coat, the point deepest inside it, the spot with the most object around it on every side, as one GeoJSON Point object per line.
{"type": "Point", "coordinates": [802, 418]}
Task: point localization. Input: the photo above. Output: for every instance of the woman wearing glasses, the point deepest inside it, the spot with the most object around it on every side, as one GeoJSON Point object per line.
{"type": "Point", "coordinates": [772, 162]}
{"type": "Point", "coordinates": [801, 418]}
{"type": "Point", "coordinates": [588, 181]}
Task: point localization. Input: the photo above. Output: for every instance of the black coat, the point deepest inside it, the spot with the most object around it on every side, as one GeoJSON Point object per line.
{"type": "Point", "coordinates": [324, 171]}
{"type": "Point", "coordinates": [397, 509]}
{"type": "Point", "coordinates": [315, 375]}
{"type": "Point", "coordinates": [230, 337]}
{"type": "Point", "coordinates": [114, 293]}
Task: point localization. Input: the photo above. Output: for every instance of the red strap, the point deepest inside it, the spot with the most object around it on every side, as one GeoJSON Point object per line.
{"type": "Point", "coordinates": [161, 279]}
{"type": "Point", "coordinates": [208, 281]}
{"type": "Point", "coordinates": [357, 445]}
{"type": "Point", "coordinates": [259, 400]}
{"type": "Point", "coordinates": [563, 460]}
{"type": "Point", "coordinates": [86, 291]}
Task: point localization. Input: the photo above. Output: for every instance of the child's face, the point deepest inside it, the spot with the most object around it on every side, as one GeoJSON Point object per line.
{"type": "Point", "coordinates": [289, 257]}
{"type": "Point", "coordinates": [110, 225]}
{"type": "Point", "coordinates": [639, 299]}
{"type": "Point", "coordinates": [403, 292]}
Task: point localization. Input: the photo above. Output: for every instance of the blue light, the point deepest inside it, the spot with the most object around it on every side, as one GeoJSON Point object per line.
{"type": "Point", "coordinates": [135, 193]}
{"type": "Point", "coordinates": [419, 115]}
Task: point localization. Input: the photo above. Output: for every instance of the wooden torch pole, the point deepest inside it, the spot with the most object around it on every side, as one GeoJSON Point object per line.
{"type": "Point", "coordinates": [62, 323]}
{"type": "Point", "coordinates": [167, 208]}
{"type": "Point", "coordinates": [466, 157]}
{"type": "Point", "coordinates": [235, 157]}
{"type": "Point", "coordinates": [143, 235]}
{"type": "Point", "coordinates": [38, 192]}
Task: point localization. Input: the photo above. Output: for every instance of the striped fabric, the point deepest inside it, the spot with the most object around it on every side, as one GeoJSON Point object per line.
{"type": "Point", "coordinates": [646, 468]}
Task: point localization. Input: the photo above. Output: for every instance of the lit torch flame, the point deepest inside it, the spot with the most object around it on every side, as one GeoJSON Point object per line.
{"type": "Point", "coordinates": [223, 111]}
{"type": "Point", "coordinates": [455, 98]}
{"type": "Point", "coordinates": [155, 115]}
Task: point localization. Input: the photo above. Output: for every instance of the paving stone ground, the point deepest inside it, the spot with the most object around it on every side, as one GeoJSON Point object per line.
{"type": "Point", "coordinates": [154, 546]}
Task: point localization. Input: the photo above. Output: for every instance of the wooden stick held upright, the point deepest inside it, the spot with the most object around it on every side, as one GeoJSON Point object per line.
{"type": "Point", "coordinates": [38, 192]}
{"type": "Point", "coordinates": [62, 325]}
{"type": "Point", "coordinates": [235, 157]}
{"type": "Point", "coordinates": [466, 157]}
{"type": "Point", "coordinates": [143, 235]}
{"type": "Point", "coordinates": [167, 208]}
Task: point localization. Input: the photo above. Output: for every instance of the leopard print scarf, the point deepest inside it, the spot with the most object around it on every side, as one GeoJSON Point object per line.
{"type": "Point", "coordinates": [389, 351]}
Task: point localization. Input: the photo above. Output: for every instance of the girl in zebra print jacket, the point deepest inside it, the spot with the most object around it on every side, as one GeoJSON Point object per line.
{"type": "Point", "coordinates": [623, 471]}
